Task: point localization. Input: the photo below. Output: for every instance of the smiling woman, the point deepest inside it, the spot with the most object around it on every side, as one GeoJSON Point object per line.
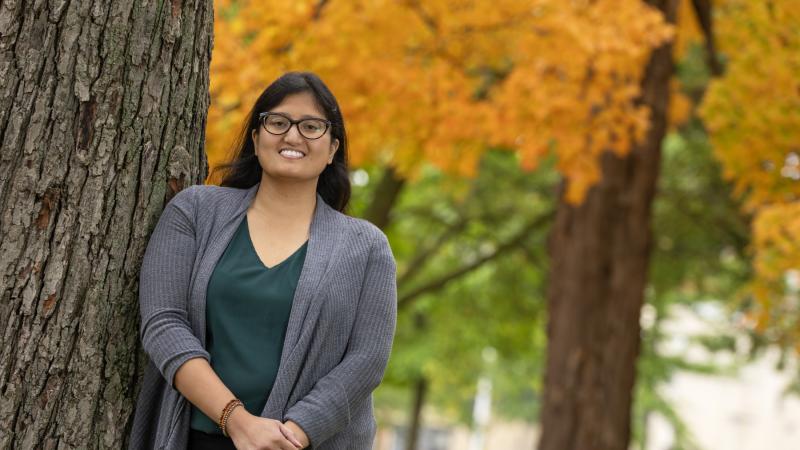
{"type": "Point", "coordinates": [267, 312]}
{"type": "Point", "coordinates": [277, 122]}
{"type": "Point", "coordinates": [294, 130]}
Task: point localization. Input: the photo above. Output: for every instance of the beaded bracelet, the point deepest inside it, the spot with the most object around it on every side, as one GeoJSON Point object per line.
{"type": "Point", "coordinates": [226, 412]}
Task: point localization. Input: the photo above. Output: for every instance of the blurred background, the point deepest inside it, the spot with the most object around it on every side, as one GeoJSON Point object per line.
{"type": "Point", "coordinates": [593, 206]}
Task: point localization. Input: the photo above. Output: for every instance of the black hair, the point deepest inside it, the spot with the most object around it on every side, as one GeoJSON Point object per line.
{"type": "Point", "coordinates": [244, 171]}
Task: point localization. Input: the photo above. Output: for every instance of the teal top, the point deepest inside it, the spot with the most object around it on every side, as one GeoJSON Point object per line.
{"type": "Point", "coordinates": [247, 311]}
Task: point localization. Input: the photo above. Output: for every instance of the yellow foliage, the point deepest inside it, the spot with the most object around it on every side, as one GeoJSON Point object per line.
{"type": "Point", "coordinates": [688, 30]}
{"type": "Point", "coordinates": [776, 230]}
{"type": "Point", "coordinates": [439, 81]}
{"type": "Point", "coordinates": [753, 116]}
{"type": "Point", "coordinates": [680, 105]}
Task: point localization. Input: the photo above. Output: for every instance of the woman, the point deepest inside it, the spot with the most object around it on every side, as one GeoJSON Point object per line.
{"type": "Point", "coordinates": [267, 313]}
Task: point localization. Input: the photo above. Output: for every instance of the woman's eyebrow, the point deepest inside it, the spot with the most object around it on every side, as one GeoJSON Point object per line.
{"type": "Point", "coordinates": [304, 116]}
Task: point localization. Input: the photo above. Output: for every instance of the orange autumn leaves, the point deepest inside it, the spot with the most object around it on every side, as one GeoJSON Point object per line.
{"type": "Point", "coordinates": [439, 82]}
{"type": "Point", "coordinates": [753, 118]}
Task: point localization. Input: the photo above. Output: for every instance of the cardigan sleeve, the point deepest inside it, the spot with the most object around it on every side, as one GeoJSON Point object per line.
{"type": "Point", "coordinates": [326, 409]}
{"type": "Point", "coordinates": [164, 280]}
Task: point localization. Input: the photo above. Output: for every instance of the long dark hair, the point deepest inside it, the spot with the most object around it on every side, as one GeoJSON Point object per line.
{"type": "Point", "coordinates": [244, 171]}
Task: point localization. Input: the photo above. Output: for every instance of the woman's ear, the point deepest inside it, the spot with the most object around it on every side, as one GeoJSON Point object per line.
{"type": "Point", "coordinates": [334, 147]}
{"type": "Point", "coordinates": [254, 136]}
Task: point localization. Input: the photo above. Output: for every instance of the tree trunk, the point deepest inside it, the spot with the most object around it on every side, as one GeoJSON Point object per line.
{"type": "Point", "coordinates": [102, 117]}
{"type": "Point", "coordinates": [379, 211]}
{"type": "Point", "coordinates": [599, 254]}
{"type": "Point", "coordinates": [415, 422]}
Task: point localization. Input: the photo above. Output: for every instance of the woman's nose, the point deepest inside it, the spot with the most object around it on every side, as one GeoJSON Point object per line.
{"type": "Point", "coordinates": [293, 134]}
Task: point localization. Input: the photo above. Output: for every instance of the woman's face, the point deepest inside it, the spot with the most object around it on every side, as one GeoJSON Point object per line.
{"type": "Point", "coordinates": [274, 151]}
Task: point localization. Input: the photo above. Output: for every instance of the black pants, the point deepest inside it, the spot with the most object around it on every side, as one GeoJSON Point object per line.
{"type": "Point", "coordinates": [199, 440]}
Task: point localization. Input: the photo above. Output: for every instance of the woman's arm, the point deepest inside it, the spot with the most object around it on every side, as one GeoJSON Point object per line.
{"type": "Point", "coordinates": [164, 281]}
{"type": "Point", "coordinates": [326, 409]}
{"type": "Point", "coordinates": [197, 381]}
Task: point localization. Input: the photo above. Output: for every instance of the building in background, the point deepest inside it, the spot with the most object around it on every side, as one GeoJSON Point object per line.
{"type": "Point", "coordinates": [747, 411]}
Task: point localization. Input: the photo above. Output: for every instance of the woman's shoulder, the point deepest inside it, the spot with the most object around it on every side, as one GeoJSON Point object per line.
{"type": "Point", "coordinates": [363, 229]}
{"type": "Point", "coordinates": [369, 240]}
{"type": "Point", "coordinates": [209, 196]}
{"type": "Point", "coordinates": [214, 191]}
{"type": "Point", "coordinates": [202, 191]}
{"type": "Point", "coordinates": [204, 204]}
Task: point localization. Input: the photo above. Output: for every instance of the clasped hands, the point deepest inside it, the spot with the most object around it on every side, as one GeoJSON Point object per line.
{"type": "Point", "coordinates": [250, 432]}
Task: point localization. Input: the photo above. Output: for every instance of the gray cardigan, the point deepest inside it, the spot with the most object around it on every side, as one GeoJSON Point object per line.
{"type": "Point", "coordinates": [340, 329]}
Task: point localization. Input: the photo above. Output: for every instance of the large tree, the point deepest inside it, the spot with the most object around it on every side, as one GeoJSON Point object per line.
{"type": "Point", "coordinates": [102, 115]}
{"type": "Point", "coordinates": [600, 250]}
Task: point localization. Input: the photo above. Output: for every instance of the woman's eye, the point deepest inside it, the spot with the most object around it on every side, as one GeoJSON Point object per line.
{"type": "Point", "coordinates": [278, 122]}
{"type": "Point", "coordinates": [312, 126]}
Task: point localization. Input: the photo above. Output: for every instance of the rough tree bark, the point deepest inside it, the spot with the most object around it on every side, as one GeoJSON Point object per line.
{"type": "Point", "coordinates": [102, 116]}
{"type": "Point", "coordinates": [599, 254]}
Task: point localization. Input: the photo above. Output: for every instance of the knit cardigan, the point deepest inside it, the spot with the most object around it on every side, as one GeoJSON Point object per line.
{"type": "Point", "coordinates": [338, 339]}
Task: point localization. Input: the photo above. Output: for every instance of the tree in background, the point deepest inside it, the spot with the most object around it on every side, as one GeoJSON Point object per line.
{"type": "Point", "coordinates": [102, 117]}
{"type": "Point", "coordinates": [753, 117]}
{"type": "Point", "coordinates": [599, 255]}
{"type": "Point", "coordinates": [473, 278]}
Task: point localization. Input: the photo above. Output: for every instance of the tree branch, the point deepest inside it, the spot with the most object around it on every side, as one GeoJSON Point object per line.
{"type": "Point", "coordinates": [702, 9]}
{"type": "Point", "coordinates": [406, 299]}
{"type": "Point", "coordinates": [419, 259]}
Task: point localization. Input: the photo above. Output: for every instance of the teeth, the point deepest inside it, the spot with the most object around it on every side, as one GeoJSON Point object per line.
{"type": "Point", "coordinates": [293, 153]}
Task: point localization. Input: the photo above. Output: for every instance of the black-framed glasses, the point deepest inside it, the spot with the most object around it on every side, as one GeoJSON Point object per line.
{"type": "Point", "coordinates": [277, 123]}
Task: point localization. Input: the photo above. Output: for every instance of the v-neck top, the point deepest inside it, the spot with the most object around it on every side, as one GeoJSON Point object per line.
{"type": "Point", "coordinates": [247, 312]}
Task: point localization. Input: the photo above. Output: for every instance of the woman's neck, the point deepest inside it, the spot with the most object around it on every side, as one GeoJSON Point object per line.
{"type": "Point", "coordinates": [285, 202]}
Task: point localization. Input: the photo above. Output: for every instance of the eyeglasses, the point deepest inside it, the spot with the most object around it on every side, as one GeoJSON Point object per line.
{"type": "Point", "coordinates": [277, 123]}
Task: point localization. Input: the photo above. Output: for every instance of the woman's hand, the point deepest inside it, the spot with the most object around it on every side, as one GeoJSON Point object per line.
{"type": "Point", "coordinates": [251, 432]}
{"type": "Point", "coordinates": [298, 432]}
